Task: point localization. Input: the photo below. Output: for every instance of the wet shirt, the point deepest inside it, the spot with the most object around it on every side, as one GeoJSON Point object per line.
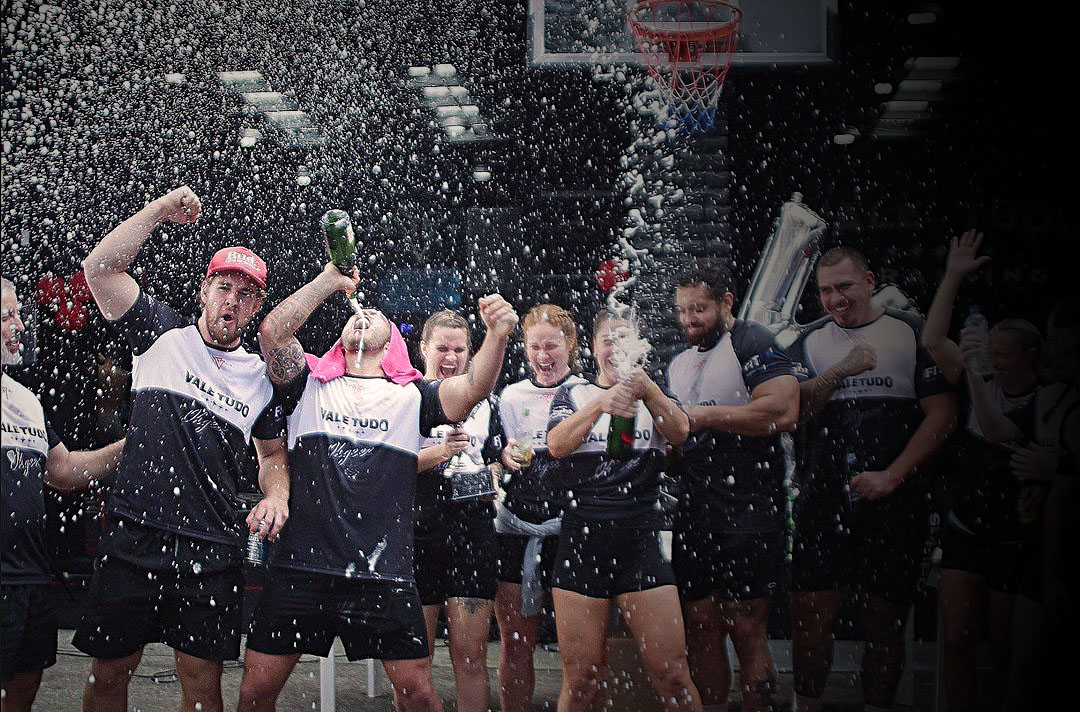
{"type": "Point", "coordinates": [739, 476]}
{"type": "Point", "coordinates": [194, 411]}
{"type": "Point", "coordinates": [433, 489]}
{"type": "Point", "coordinates": [872, 415]}
{"type": "Point", "coordinates": [27, 440]}
{"type": "Point", "coordinates": [523, 412]}
{"type": "Point", "coordinates": [352, 459]}
{"type": "Point", "coordinates": [983, 493]}
{"type": "Point", "coordinates": [597, 486]}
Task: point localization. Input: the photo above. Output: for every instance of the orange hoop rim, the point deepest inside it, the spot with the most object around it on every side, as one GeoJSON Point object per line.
{"type": "Point", "coordinates": [722, 30]}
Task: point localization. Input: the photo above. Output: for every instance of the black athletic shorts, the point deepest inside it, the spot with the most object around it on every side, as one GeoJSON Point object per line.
{"type": "Point", "coordinates": [302, 612]}
{"type": "Point", "coordinates": [877, 547]}
{"type": "Point", "coordinates": [512, 553]}
{"type": "Point", "coordinates": [458, 558]}
{"type": "Point", "coordinates": [130, 605]}
{"type": "Point", "coordinates": [1000, 564]}
{"type": "Point", "coordinates": [602, 558]}
{"type": "Point", "coordinates": [28, 615]}
{"type": "Point", "coordinates": [735, 565]}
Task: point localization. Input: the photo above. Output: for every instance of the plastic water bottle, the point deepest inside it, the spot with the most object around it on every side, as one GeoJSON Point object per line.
{"type": "Point", "coordinates": [979, 364]}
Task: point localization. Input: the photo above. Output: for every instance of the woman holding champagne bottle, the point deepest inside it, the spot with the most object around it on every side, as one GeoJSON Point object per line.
{"type": "Point", "coordinates": [609, 544]}
{"type": "Point", "coordinates": [527, 518]}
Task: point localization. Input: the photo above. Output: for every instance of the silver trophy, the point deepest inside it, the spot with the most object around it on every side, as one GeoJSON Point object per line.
{"type": "Point", "coordinates": [469, 479]}
{"type": "Point", "coordinates": [783, 270]}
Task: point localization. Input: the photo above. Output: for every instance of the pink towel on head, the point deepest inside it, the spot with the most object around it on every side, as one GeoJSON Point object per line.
{"type": "Point", "coordinates": [395, 363]}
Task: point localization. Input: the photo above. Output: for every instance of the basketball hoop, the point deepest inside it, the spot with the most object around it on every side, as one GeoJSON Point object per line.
{"type": "Point", "coordinates": [687, 46]}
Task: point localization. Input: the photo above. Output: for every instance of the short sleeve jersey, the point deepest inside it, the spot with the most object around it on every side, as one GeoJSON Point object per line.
{"type": "Point", "coordinates": [982, 490]}
{"type": "Point", "coordinates": [597, 485]}
{"type": "Point", "coordinates": [740, 475]}
{"type": "Point", "coordinates": [874, 414]}
{"type": "Point", "coordinates": [353, 443]}
{"type": "Point", "coordinates": [195, 408]}
{"type": "Point", "coordinates": [27, 440]}
{"type": "Point", "coordinates": [523, 412]}
{"type": "Point", "coordinates": [433, 491]}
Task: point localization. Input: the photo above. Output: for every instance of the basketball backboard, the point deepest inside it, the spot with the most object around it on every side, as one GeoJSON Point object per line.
{"type": "Point", "coordinates": [595, 32]}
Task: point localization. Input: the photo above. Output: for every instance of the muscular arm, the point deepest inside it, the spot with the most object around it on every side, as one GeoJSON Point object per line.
{"type": "Point", "coordinates": [936, 427]}
{"type": "Point", "coordinates": [283, 354]}
{"type": "Point", "coordinates": [106, 266]}
{"type": "Point", "coordinates": [273, 510]}
{"type": "Point", "coordinates": [671, 420]}
{"type": "Point", "coordinates": [72, 471]}
{"type": "Point", "coordinates": [773, 408]}
{"type": "Point", "coordinates": [814, 393]}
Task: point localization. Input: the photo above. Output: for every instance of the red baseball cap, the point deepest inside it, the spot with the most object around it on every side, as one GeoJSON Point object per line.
{"type": "Point", "coordinates": [238, 259]}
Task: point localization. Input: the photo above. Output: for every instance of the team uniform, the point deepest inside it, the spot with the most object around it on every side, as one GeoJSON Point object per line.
{"type": "Point", "coordinates": [343, 566]}
{"type": "Point", "coordinates": [610, 538]}
{"type": "Point", "coordinates": [170, 563]}
{"type": "Point", "coordinates": [982, 532]}
{"type": "Point", "coordinates": [879, 546]}
{"type": "Point", "coordinates": [523, 408]}
{"type": "Point", "coordinates": [454, 543]}
{"type": "Point", "coordinates": [729, 531]}
{"type": "Point", "coordinates": [28, 608]}
{"type": "Point", "coordinates": [1047, 419]}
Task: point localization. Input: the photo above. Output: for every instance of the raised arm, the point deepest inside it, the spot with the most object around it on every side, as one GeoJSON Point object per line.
{"type": "Point", "coordinates": [773, 408]}
{"type": "Point", "coordinates": [459, 394]}
{"type": "Point", "coordinates": [106, 266]}
{"type": "Point", "coordinates": [961, 261]}
{"type": "Point", "coordinates": [73, 471]}
{"type": "Point", "coordinates": [815, 392]}
{"type": "Point", "coordinates": [283, 354]}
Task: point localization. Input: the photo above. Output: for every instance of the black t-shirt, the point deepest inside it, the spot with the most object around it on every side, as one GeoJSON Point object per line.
{"type": "Point", "coordinates": [597, 486]}
{"type": "Point", "coordinates": [872, 415]}
{"type": "Point", "coordinates": [352, 459]}
{"type": "Point", "coordinates": [523, 412]}
{"type": "Point", "coordinates": [27, 440]}
{"type": "Point", "coordinates": [434, 491]}
{"type": "Point", "coordinates": [194, 411]}
{"type": "Point", "coordinates": [739, 476]}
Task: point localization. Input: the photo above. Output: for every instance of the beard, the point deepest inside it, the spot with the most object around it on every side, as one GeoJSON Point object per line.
{"type": "Point", "coordinates": [12, 359]}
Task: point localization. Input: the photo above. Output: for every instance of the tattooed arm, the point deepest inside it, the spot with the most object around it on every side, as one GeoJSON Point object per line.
{"type": "Point", "coordinates": [814, 393]}
{"type": "Point", "coordinates": [283, 353]}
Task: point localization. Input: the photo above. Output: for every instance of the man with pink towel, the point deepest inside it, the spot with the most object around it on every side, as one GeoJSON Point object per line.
{"type": "Point", "coordinates": [343, 567]}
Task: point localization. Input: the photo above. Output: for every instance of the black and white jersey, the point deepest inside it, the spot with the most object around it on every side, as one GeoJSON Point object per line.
{"type": "Point", "coordinates": [27, 440]}
{"type": "Point", "coordinates": [523, 412]}
{"type": "Point", "coordinates": [433, 490]}
{"type": "Point", "coordinates": [741, 475]}
{"type": "Point", "coordinates": [352, 459]}
{"type": "Point", "coordinates": [596, 485]}
{"type": "Point", "coordinates": [1051, 420]}
{"type": "Point", "coordinates": [194, 410]}
{"type": "Point", "coordinates": [874, 414]}
{"type": "Point", "coordinates": [982, 490]}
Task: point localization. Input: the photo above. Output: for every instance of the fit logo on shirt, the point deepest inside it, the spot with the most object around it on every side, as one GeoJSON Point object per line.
{"type": "Point", "coordinates": [24, 431]}
{"type": "Point", "coordinates": [19, 462]}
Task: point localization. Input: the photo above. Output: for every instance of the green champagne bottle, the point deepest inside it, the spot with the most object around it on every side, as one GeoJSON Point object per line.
{"type": "Point", "coordinates": [851, 468]}
{"type": "Point", "coordinates": [340, 245]}
{"type": "Point", "coordinates": [620, 437]}
{"type": "Point", "coordinates": [340, 241]}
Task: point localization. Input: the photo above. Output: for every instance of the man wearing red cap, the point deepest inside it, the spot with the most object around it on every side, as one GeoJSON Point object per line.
{"type": "Point", "coordinates": [170, 563]}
